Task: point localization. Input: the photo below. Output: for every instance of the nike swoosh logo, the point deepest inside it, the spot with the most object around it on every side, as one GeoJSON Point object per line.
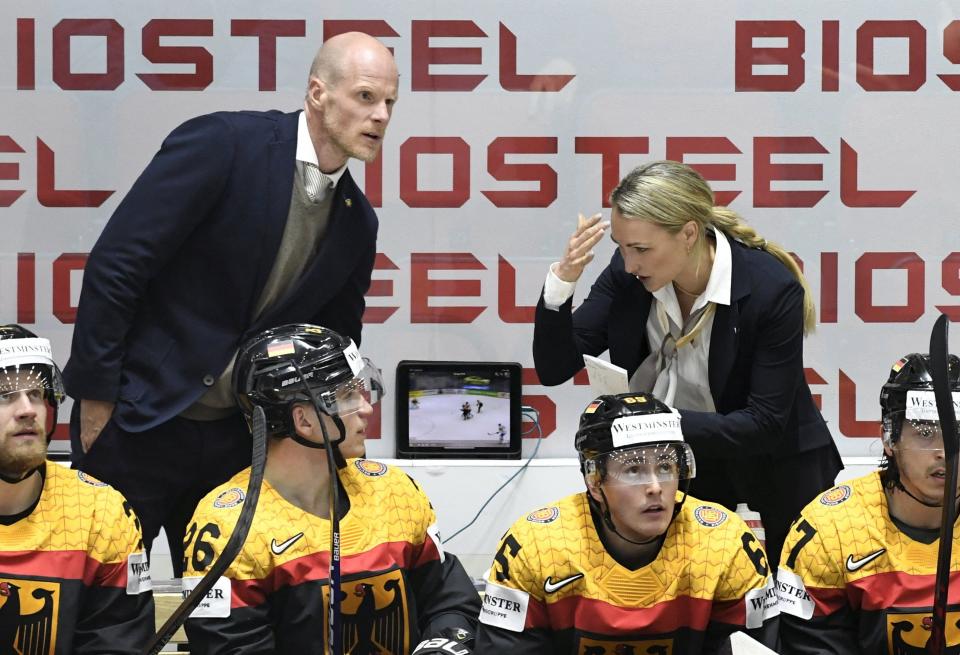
{"type": "Point", "coordinates": [279, 549]}
{"type": "Point", "coordinates": [550, 586]}
{"type": "Point", "coordinates": [854, 565]}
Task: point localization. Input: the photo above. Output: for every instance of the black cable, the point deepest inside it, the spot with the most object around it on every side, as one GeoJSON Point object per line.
{"type": "Point", "coordinates": [535, 415]}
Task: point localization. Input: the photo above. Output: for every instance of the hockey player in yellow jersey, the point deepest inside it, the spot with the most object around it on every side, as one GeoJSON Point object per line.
{"type": "Point", "coordinates": [399, 591]}
{"type": "Point", "coordinates": [858, 567]}
{"type": "Point", "coordinates": [74, 576]}
{"type": "Point", "coordinates": [633, 565]}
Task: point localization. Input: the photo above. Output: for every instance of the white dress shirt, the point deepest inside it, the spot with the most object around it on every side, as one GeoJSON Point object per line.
{"type": "Point", "coordinates": [318, 184]}
{"type": "Point", "coordinates": [692, 386]}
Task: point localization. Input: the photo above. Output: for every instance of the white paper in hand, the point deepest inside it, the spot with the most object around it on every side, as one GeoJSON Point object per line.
{"type": "Point", "coordinates": [742, 644]}
{"type": "Point", "coordinates": [606, 378]}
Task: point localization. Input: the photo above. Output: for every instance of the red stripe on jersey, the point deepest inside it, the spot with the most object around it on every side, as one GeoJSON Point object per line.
{"type": "Point", "coordinates": [826, 601]}
{"type": "Point", "coordinates": [428, 553]}
{"type": "Point", "coordinates": [731, 612]}
{"type": "Point", "coordinates": [604, 618]}
{"type": "Point", "coordinates": [537, 615]}
{"type": "Point", "coordinates": [898, 589]}
{"type": "Point", "coordinates": [66, 565]}
{"type": "Point", "coordinates": [316, 567]}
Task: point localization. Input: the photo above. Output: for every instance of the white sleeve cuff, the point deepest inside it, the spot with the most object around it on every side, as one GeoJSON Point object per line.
{"type": "Point", "coordinates": [556, 291]}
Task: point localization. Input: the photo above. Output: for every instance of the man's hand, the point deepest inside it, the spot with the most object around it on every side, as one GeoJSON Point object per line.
{"type": "Point", "coordinates": [94, 414]}
{"type": "Point", "coordinates": [579, 251]}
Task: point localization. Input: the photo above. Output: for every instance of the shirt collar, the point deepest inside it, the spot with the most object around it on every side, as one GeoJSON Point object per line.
{"type": "Point", "coordinates": [306, 152]}
{"type": "Point", "coordinates": [721, 277]}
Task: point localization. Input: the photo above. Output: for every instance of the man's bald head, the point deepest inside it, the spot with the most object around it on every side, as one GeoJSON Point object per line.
{"type": "Point", "coordinates": [338, 53]}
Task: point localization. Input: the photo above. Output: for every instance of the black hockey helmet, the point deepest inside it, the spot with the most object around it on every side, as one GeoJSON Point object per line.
{"type": "Point", "coordinates": [911, 373]}
{"type": "Point", "coordinates": [634, 427]}
{"type": "Point", "coordinates": [22, 351]}
{"type": "Point", "coordinates": [266, 374]}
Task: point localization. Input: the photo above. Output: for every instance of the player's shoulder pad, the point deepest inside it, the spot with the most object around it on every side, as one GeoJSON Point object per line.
{"type": "Point", "coordinates": [369, 468]}
{"type": "Point", "coordinates": [227, 498]}
{"type": "Point", "coordinates": [89, 480]}
{"type": "Point", "coordinates": [710, 516]}
{"type": "Point", "coordinates": [389, 483]}
{"type": "Point", "coordinates": [848, 496]}
{"type": "Point", "coordinates": [91, 491]}
{"type": "Point", "coordinates": [550, 518]}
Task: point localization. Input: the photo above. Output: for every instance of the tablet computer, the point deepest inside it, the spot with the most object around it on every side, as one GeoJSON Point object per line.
{"type": "Point", "coordinates": [462, 410]}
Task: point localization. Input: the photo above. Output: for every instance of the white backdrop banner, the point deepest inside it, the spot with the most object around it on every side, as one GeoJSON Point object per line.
{"type": "Point", "coordinates": [829, 126]}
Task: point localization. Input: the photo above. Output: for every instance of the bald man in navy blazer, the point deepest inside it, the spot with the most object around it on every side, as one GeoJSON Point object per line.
{"type": "Point", "coordinates": [242, 221]}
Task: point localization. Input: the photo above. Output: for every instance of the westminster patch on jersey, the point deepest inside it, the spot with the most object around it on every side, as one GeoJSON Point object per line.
{"type": "Point", "coordinates": [792, 595]}
{"type": "Point", "coordinates": [229, 498]}
{"type": "Point", "coordinates": [835, 496]}
{"type": "Point", "coordinates": [709, 516]}
{"type": "Point", "coordinates": [216, 604]}
{"type": "Point", "coordinates": [28, 616]}
{"type": "Point", "coordinates": [370, 468]}
{"type": "Point", "coordinates": [544, 515]}
{"type": "Point", "coordinates": [138, 574]}
{"type": "Point", "coordinates": [504, 607]}
{"type": "Point", "coordinates": [761, 605]}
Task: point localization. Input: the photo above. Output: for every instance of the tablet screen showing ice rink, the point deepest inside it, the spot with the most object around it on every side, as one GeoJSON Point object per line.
{"type": "Point", "coordinates": [451, 409]}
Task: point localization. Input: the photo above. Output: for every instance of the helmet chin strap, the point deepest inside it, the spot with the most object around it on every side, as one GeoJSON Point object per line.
{"type": "Point", "coordinates": [11, 480]}
{"type": "Point", "coordinates": [899, 485]}
{"type": "Point", "coordinates": [321, 445]}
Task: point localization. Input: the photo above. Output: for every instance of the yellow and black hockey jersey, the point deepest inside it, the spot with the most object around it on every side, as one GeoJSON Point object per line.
{"type": "Point", "coordinates": [553, 587]}
{"type": "Point", "coordinates": [73, 574]}
{"type": "Point", "coordinates": [397, 584]}
{"type": "Point", "coordinates": [851, 581]}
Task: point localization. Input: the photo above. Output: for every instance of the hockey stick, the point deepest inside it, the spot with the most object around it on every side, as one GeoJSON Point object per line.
{"type": "Point", "coordinates": [939, 354]}
{"type": "Point", "coordinates": [334, 632]}
{"type": "Point", "coordinates": [258, 462]}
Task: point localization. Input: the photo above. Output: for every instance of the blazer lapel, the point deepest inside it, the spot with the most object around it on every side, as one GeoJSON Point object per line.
{"type": "Point", "coordinates": [281, 164]}
{"type": "Point", "coordinates": [334, 261]}
{"type": "Point", "coordinates": [725, 337]}
{"type": "Point", "coordinates": [628, 333]}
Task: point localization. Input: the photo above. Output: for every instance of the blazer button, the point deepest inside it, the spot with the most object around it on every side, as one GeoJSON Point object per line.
{"type": "Point", "coordinates": [208, 380]}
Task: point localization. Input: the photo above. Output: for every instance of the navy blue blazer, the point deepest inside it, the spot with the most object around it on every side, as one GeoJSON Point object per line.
{"type": "Point", "coordinates": [170, 287]}
{"type": "Point", "coordinates": [763, 402]}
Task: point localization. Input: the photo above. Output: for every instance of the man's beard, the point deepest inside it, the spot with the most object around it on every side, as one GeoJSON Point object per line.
{"type": "Point", "coordinates": [15, 463]}
{"type": "Point", "coordinates": [338, 137]}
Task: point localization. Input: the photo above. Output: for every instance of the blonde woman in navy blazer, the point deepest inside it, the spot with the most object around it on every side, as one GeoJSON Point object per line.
{"type": "Point", "coordinates": [751, 420]}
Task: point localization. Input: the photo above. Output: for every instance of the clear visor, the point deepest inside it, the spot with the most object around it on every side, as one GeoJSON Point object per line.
{"type": "Point", "coordinates": [29, 381]}
{"type": "Point", "coordinates": [916, 434]}
{"type": "Point", "coordinates": [365, 390]}
{"type": "Point", "coordinates": [660, 462]}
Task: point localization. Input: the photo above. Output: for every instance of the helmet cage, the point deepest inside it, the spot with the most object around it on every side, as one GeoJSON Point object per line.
{"type": "Point", "coordinates": [26, 363]}
{"type": "Point", "coordinates": [923, 434]}
{"type": "Point", "coordinates": [661, 462]}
